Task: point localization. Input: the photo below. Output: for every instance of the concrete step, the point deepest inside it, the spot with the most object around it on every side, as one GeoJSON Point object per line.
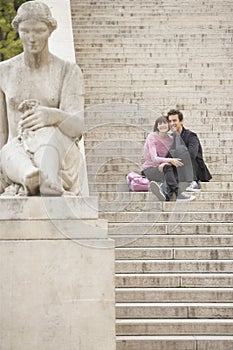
{"type": "Point", "coordinates": [174, 295]}
{"type": "Point", "coordinates": [172, 342]}
{"type": "Point", "coordinates": [95, 140]}
{"type": "Point", "coordinates": [157, 73]}
{"type": "Point", "coordinates": [169, 216]}
{"type": "Point", "coordinates": [174, 310]}
{"type": "Point", "coordinates": [146, 116]}
{"type": "Point", "coordinates": [97, 176]}
{"type": "Point", "coordinates": [153, 253]}
{"type": "Point", "coordinates": [106, 177]}
{"type": "Point", "coordinates": [121, 186]}
{"type": "Point", "coordinates": [126, 197]}
{"type": "Point", "coordinates": [174, 280]}
{"type": "Point", "coordinates": [169, 228]}
{"type": "Point", "coordinates": [109, 170]}
{"type": "Point", "coordinates": [169, 266]}
{"type": "Point", "coordinates": [158, 206]}
{"type": "Point", "coordinates": [105, 148]}
{"type": "Point", "coordinates": [173, 240]}
{"type": "Point", "coordinates": [174, 327]}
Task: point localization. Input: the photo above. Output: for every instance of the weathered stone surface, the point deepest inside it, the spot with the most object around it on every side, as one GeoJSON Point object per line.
{"type": "Point", "coordinates": [48, 208]}
{"type": "Point", "coordinates": [56, 294]}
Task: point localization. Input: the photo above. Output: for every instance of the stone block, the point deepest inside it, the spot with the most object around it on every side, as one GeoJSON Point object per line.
{"type": "Point", "coordinates": [57, 294]}
{"type": "Point", "coordinates": [56, 275]}
{"type": "Point", "coordinates": [48, 208]}
{"type": "Point", "coordinates": [53, 229]}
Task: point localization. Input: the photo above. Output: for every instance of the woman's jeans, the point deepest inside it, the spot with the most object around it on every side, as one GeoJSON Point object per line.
{"type": "Point", "coordinates": [169, 174]}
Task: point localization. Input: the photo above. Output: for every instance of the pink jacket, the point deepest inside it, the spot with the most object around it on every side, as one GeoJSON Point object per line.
{"type": "Point", "coordinates": [155, 150]}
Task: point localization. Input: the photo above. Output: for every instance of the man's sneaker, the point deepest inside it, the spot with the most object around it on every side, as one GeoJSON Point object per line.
{"type": "Point", "coordinates": [183, 197]}
{"type": "Point", "coordinates": [157, 191]}
{"type": "Point", "coordinates": [193, 187]}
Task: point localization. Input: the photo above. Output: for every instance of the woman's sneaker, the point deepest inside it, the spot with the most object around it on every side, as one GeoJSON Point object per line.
{"type": "Point", "coordinates": [183, 197]}
{"type": "Point", "coordinates": [157, 190]}
{"type": "Point", "coordinates": [193, 187]}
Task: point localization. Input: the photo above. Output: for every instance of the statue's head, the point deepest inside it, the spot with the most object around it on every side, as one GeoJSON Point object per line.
{"type": "Point", "coordinates": [34, 10]}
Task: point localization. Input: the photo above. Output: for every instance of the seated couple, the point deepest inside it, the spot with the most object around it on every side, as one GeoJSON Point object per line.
{"type": "Point", "coordinates": [173, 162]}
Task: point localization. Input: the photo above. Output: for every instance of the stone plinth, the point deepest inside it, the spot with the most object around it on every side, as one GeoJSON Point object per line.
{"type": "Point", "coordinates": [56, 276]}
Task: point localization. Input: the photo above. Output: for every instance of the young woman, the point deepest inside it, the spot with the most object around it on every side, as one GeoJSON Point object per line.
{"type": "Point", "coordinates": [157, 167]}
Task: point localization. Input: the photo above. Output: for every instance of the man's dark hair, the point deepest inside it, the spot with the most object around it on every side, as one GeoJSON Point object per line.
{"type": "Point", "coordinates": [174, 112]}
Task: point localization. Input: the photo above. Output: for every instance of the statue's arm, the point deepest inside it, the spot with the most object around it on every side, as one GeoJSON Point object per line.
{"type": "Point", "coordinates": [3, 120]}
{"type": "Point", "coordinates": [72, 102]}
{"type": "Point", "coordinates": [69, 116]}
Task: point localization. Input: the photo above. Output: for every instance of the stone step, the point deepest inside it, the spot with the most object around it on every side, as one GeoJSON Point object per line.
{"type": "Point", "coordinates": [150, 101]}
{"type": "Point", "coordinates": [174, 310]}
{"type": "Point", "coordinates": [196, 71]}
{"type": "Point", "coordinates": [105, 177]}
{"type": "Point", "coordinates": [121, 186]}
{"type": "Point", "coordinates": [169, 216]}
{"type": "Point", "coordinates": [149, 74]}
{"type": "Point", "coordinates": [135, 96]}
{"type": "Point", "coordinates": [119, 48]}
{"type": "Point", "coordinates": [135, 146]}
{"type": "Point", "coordinates": [107, 149]}
{"type": "Point", "coordinates": [174, 327]}
{"type": "Point", "coordinates": [172, 342]}
{"type": "Point", "coordinates": [169, 228]}
{"type": "Point", "coordinates": [104, 133]}
{"type": "Point", "coordinates": [174, 240]}
{"type": "Point", "coordinates": [101, 180]}
{"type": "Point", "coordinates": [169, 266]}
{"type": "Point", "coordinates": [174, 280]}
{"type": "Point", "coordinates": [134, 33]}
{"type": "Point", "coordinates": [126, 197]}
{"type": "Point", "coordinates": [94, 139]}
{"type": "Point", "coordinates": [119, 167]}
{"type": "Point", "coordinates": [158, 206]}
{"type": "Point", "coordinates": [149, 30]}
{"type": "Point", "coordinates": [91, 141]}
{"type": "Point", "coordinates": [215, 196]}
{"type": "Point", "coordinates": [153, 253]}
{"type": "Point", "coordinates": [125, 15]}
{"type": "Point", "coordinates": [174, 295]}
{"type": "Point", "coordinates": [143, 113]}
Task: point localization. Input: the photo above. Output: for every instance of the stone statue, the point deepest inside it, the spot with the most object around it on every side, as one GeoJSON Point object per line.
{"type": "Point", "coordinates": [41, 112]}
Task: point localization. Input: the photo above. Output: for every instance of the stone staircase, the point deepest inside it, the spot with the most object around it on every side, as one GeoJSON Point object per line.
{"type": "Point", "coordinates": [174, 261]}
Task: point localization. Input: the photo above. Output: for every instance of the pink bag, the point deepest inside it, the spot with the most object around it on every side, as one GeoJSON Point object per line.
{"type": "Point", "coordinates": [137, 182]}
{"type": "Point", "coordinates": [132, 175]}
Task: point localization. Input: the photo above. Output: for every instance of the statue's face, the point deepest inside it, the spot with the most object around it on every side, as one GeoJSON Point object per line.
{"type": "Point", "coordinates": [34, 35]}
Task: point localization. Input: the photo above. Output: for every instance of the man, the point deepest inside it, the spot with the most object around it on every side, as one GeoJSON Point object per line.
{"type": "Point", "coordinates": [185, 137]}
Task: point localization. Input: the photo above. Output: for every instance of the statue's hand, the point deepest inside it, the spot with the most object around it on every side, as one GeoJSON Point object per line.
{"type": "Point", "coordinates": [39, 117]}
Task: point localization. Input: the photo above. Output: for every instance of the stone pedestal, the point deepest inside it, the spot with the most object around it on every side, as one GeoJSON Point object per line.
{"type": "Point", "coordinates": [56, 275]}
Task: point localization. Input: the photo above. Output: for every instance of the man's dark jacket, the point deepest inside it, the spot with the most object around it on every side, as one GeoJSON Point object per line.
{"type": "Point", "coordinates": [193, 145]}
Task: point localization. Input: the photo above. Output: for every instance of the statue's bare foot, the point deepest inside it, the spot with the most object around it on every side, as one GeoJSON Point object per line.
{"type": "Point", "coordinates": [32, 181]}
{"type": "Point", "coordinates": [48, 188]}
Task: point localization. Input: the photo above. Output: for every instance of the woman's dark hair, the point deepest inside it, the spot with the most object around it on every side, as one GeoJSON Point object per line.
{"type": "Point", "coordinates": [174, 112]}
{"type": "Point", "coordinates": [158, 121]}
